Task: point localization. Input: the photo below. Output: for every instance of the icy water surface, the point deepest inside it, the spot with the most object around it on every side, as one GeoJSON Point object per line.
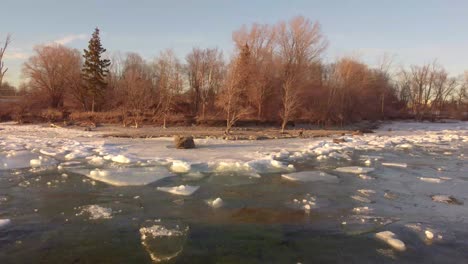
{"type": "Point", "coordinates": [81, 199]}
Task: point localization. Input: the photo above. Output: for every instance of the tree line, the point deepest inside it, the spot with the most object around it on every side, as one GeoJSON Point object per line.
{"type": "Point", "coordinates": [276, 74]}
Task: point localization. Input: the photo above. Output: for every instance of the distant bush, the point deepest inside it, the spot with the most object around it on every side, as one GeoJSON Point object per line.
{"type": "Point", "coordinates": [6, 112]}
{"type": "Point", "coordinates": [97, 117]}
{"type": "Point", "coordinates": [52, 115]}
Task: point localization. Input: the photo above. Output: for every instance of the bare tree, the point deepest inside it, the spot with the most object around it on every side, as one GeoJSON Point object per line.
{"type": "Point", "coordinates": [385, 65]}
{"type": "Point", "coordinates": [443, 87]}
{"type": "Point", "coordinates": [168, 80]}
{"type": "Point", "coordinates": [51, 71]}
{"type": "Point", "coordinates": [205, 69]}
{"type": "Point", "coordinates": [300, 44]}
{"type": "Point", "coordinates": [423, 86]}
{"type": "Point", "coordinates": [261, 40]}
{"type": "Point", "coordinates": [195, 72]}
{"type": "Point", "coordinates": [233, 97]}
{"type": "Point", "coordinates": [3, 69]}
{"type": "Point", "coordinates": [135, 89]}
{"type": "Point", "coordinates": [461, 94]}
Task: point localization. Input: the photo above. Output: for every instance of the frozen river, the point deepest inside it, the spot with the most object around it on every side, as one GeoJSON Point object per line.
{"type": "Point", "coordinates": [68, 196]}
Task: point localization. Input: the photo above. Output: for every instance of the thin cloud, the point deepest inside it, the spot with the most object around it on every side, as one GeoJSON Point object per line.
{"type": "Point", "coordinates": [16, 55]}
{"type": "Point", "coordinates": [70, 38]}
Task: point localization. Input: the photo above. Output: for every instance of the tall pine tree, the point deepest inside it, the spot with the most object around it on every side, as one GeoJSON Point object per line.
{"type": "Point", "coordinates": [95, 70]}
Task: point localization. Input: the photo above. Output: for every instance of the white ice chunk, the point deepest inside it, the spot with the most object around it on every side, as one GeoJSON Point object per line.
{"type": "Point", "coordinates": [366, 192]}
{"type": "Point", "coordinates": [404, 146]}
{"type": "Point", "coordinates": [35, 163]}
{"type": "Point", "coordinates": [158, 231]}
{"type": "Point", "coordinates": [185, 190]}
{"type": "Point", "coordinates": [70, 156]}
{"type": "Point", "coordinates": [445, 199]}
{"type": "Point", "coordinates": [431, 180]}
{"type": "Point", "coordinates": [231, 166]}
{"type": "Point", "coordinates": [96, 212]}
{"type": "Point", "coordinates": [310, 176]}
{"type": "Point", "coordinates": [361, 199]}
{"type": "Point", "coordinates": [121, 159]}
{"type": "Point", "coordinates": [48, 152]}
{"type": "Point", "coordinates": [96, 161]}
{"type": "Point", "coordinates": [216, 203]}
{"type": "Point", "coordinates": [429, 234]}
{"type": "Point", "coordinates": [389, 238]}
{"type": "Point", "coordinates": [4, 222]}
{"type": "Point", "coordinates": [391, 164]}
{"type": "Point", "coordinates": [365, 177]}
{"type": "Point", "coordinates": [362, 210]}
{"type": "Point", "coordinates": [354, 169]}
{"type": "Point", "coordinates": [179, 166]}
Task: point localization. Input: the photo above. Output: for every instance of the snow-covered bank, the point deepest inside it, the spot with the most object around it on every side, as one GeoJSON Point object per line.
{"type": "Point", "coordinates": [111, 159]}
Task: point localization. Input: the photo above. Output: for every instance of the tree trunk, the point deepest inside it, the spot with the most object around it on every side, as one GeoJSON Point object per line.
{"type": "Point", "coordinates": [283, 125]}
{"type": "Point", "coordinates": [259, 113]}
{"type": "Point", "coordinates": [228, 122]}
{"type": "Point", "coordinates": [383, 104]}
{"type": "Point", "coordinates": [203, 111]}
{"type": "Point", "coordinates": [92, 105]}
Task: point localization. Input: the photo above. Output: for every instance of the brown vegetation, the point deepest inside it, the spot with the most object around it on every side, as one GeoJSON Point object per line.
{"type": "Point", "coordinates": [275, 76]}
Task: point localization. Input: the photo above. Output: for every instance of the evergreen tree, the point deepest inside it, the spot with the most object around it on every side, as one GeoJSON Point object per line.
{"type": "Point", "coordinates": [95, 70]}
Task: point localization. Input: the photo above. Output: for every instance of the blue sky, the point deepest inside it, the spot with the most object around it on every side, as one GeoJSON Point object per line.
{"type": "Point", "coordinates": [414, 31]}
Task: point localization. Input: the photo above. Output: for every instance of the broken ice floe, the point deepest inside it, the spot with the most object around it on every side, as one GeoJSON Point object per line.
{"type": "Point", "coordinates": [361, 199]}
{"type": "Point", "coordinates": [163, 241]}
{"type": "Point", "coordinates": [366, 192]}
{"type": "Point", "coordinates": [425, 232]}
{"type": "Point", "coordinates": [95, 212]}
{"type": "Point", "coordinates": [126, 176]}
{"type": "Point", "coordinates": [447, 199]}
{"type": "Point", "coordinates": [310, 176]}
{"type": "Point", "coordinates": [431, 180]}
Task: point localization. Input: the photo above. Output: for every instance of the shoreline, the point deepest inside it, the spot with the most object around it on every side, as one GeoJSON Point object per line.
{"type": "Point", "coordinates": [237, 133]}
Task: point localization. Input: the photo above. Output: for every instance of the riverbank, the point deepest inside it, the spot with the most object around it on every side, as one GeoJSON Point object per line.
{"type": "Point", "coordinates": [237, 133]}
